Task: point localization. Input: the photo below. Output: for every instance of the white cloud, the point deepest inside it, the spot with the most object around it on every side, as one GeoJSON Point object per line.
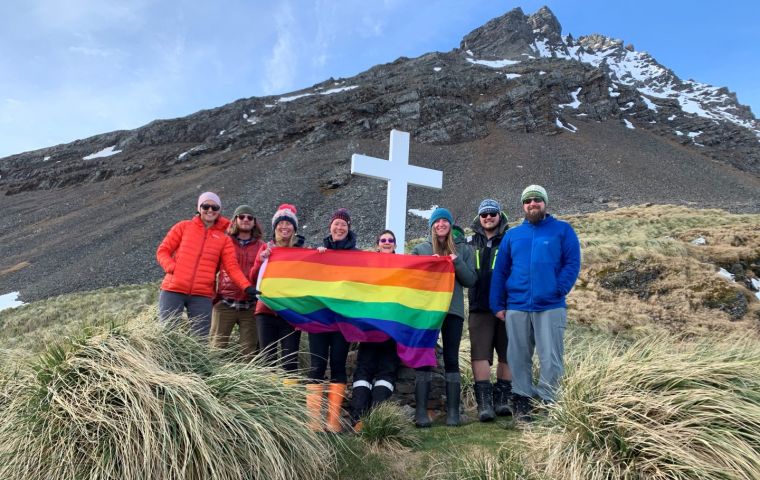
{"type": "Point", "coordinates": [281, 65]}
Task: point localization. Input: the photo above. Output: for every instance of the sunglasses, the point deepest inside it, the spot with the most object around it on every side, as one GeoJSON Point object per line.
{"type": "Point", "coordinates": [387, 240]}
{"type": "Point", "coordinates": [245, 216]}
{"type": "Point", "coordinates": [532, 200]}
{"type": "Point", "coordinates": [206, 206]}
{"type": "Point", "coordinates": [489, 214]}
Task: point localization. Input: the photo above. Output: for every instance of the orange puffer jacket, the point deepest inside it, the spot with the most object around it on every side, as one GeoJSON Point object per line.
{"type": "Point", "coordinates": [191, 254]}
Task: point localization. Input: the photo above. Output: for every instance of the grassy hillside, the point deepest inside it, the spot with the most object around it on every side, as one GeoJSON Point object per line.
{"type": "Point", "coordinates": [663, 369]}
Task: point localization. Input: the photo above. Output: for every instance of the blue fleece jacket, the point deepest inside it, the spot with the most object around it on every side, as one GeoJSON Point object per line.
{"type": "Point", "coordinates": [536, 267]}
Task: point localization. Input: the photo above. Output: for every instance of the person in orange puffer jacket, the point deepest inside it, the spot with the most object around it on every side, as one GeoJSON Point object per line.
{"type": "Point", "coordinates": [191, 254]}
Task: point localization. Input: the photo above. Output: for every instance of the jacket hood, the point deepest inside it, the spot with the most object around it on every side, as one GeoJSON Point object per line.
{"type": "Point", "coordinates": [503, 225]}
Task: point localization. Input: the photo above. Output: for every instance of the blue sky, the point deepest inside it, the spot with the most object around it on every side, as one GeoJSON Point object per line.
{"type": "Point", "coordinates": [70, 69]}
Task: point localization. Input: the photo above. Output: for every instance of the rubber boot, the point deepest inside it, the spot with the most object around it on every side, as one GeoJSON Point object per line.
{"type": "Point", "coordinates": [502, 392]}
{"type": "Point", "coordinates": [453, 398]}
{"type": "Point", "coordinates": [484, 398]}
{"type": "Point", "coordinates": [382, 390]}
{"type": "Point", "coordinates": [335, 396]}
{"type": "Point", "coordinates": [314, 406]}
{"type": "Point", "coordinates": [360, 400]}
{"type": "Point", "coordinates": [421, 392]}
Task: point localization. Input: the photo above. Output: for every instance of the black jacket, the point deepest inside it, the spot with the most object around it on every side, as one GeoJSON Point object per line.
{"type": "Point", "coordinates": [485, 258]}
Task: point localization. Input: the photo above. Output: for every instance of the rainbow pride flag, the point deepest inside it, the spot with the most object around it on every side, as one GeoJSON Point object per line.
{"type": "Point", "coordinates": [367, 296]}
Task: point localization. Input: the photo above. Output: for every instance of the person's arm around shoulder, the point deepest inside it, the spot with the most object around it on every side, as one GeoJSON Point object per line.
{"type": "Point", "coordinates": [169, 245]}
{"type": "Point", "coordinates": [498, 294]}
{"type": "Point", "coordinates": [570, 262]}
{"type": "Point", "coordinates": [464, 266]}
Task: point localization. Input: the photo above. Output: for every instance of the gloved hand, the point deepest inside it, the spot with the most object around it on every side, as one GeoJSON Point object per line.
{"type": "Point", "coordinates": [252, 292]}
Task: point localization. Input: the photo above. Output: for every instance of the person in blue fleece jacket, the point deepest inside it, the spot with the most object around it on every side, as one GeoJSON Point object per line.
{"type": "Point", "coordinates": [537, 266]}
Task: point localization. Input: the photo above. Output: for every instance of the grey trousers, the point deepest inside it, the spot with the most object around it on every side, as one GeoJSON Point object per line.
{"type": "Point", "coordinates": [172, 304]}
{"type": "Point", "coordinates": [543, 332]}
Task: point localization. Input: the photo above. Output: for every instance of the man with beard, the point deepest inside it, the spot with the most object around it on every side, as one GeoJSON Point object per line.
{"type": "Point", "coordinates": [234, 306]}
{"type": "Point", "coordinates": [487, 332]}
{"type": "Point", "coordinates": [537, 266]}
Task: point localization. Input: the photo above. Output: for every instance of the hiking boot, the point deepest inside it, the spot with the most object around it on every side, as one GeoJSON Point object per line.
{"type": "Point", "coordinates": [421, 392]}
{"type": "Point", "coordinates": [522, 408]}
{"type": "Point", "coordinates": [453, 398]}
{"type": "Point", "coordinates": [502, 392]}
{"type": "Point", "coordinates": [484, 397]}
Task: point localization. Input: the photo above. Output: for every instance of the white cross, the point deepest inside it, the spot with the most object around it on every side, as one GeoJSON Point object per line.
{"type": "Point", "coordinates": [399, 174]}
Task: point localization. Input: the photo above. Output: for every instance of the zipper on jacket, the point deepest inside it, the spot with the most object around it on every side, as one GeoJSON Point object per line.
{"type": "Point", "coordinates": [198, 260]}
{"type": "Point", "coordinates": [532, 246]}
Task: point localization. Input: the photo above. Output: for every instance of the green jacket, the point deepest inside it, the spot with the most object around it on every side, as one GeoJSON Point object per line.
{"type": "Point", "coordinates": [464, 267]}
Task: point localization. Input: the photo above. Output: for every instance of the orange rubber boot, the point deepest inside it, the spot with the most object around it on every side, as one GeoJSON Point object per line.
{"type": "Point", "coordinates": [335, 396]}
{"type": "Point", "coordinates": [314, 405]}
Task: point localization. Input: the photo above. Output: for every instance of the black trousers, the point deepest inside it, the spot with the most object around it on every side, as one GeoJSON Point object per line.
{"type": "Point", "coordinates": [274, 330]}
{"type": "Point", "coordinates": [451, 334]}
{"type": "Point", "coordinates": [328, 347]}
{"type": "Point", "coordinates": [377, 361]}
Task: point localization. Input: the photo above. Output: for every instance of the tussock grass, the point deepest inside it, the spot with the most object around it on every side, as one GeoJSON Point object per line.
{"type": "Point", "coordinates": [654, 409]}
{"type": "Point", "coordinates": [139, 401]}
{"type": "Point", "coordinates": [500, 463]}
{"type": "Point", "coordinates": [30, 328]}
{"type": "Point", "coordinates": [387, 427]}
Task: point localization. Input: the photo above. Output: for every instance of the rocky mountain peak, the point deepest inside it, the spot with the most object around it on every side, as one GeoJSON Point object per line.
{"type": "Point", "coordinates": [508, 36]}
{"type": "Point", "coordinates": [545, 24]}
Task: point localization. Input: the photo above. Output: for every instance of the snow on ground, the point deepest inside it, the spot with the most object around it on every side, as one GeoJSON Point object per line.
{"type": "Point", "coordinates": [423, 213]}
{"type": "Point", "coordinates": [679, 133]}
{"type": "Point", "coordinates": [510, 76]}
{"type": "Point", "coordinates": [293, 97]}
{"type": "Point", "coordinates": [649, 103]}
{"type": "Point", "coordinates": [699, 241]}
{"type": "Point", "coordinates": [641, 71]}
{"type": "Point", "coordinates": [494, 63]}
{"type": "Point", "coordinates": [46, 159]}
{"type": "Point", "coordinates": [726, 274]}
{"type": "Point", "coordinates": [106, 152]}
{"type": "Point", "coordinates": [337, 90]}
{"type": "Point", "coordinates": [569, 127]}
{"type": "Point", "coordinates": [10, 300]}
{"type": "Point", "coordinates": [437, 69]}
{"type": "Point", "coordinates": [326, 92]}
{"type": "Point", "coordinates": [629, 124]}
{"type": "Point", "coordinates": [575, 103]}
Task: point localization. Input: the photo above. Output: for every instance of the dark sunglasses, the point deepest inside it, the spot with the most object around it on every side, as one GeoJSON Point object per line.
{"type": "Point", "coordinates": [489, 214]}
{"type": "Point", "coordinates": [387, 240]}
{"type": "Point", "coordinates": [531, 200]}
{"type": "Point", "coordinates": [245, 216]}
{"type": "Point", "coordinates": [206, 206]}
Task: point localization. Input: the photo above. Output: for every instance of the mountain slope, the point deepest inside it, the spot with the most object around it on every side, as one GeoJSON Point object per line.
{"type": "Point", "coordinates": [517, 103]}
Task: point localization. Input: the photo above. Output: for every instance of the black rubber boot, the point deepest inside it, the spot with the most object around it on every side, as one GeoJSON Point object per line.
{"type": "Point", "coordinates": [360, 401]}
{"type": "Point", "coordinates": [522, 408]}
{"type": "Point", "coordinates": [484, 397]}
{"type": "Point", "coordinates": [453, 398]}
{"type": "Point", "coordinates": [502, 392]}
{"type": "Point", "coordinates": [421, 392]}
{"type": "Point", "coordinates": [380, 393]}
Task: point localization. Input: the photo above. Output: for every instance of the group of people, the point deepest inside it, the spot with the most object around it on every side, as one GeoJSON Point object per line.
{"type": "Point", "coordinates": [517, 279]}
